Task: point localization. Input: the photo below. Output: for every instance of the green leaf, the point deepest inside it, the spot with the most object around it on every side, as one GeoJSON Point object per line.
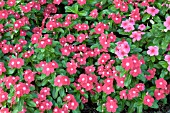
{"type": "Point", "coordinates": [99, 109]}
{"type": "Point", "coordinates": [155, 104]}
{"type": "Point", "coordinates": [141, 77]}
{"type": "Point", "coordinates": [131, 108]}
{"type": "Point", "coordinates": [55, 92]}
{"type": "Point", "coordinates": [164, 72]}
{"type": "Point", "coordinates": [62, 92]}
{"type": "Point", "coordinates": [139, 109]}
{"type": "Point", "coordinates": [164, 64]}
{"type": "Point", "coordinates": [26, 28]}
{"type": "Point", "coordinates": [72, 9]}
{"type": "Point", "coordinates": [153, 58]}
{"type": "Point", "coordinates": [10, 71]}
{"type": "Point", "coordinates": [128, 80]}
{"type": "Point", "coordinates": [31, 103]}
{"type": "Point", "coordinates": [145, 17]}
{"type": "Point", "coordinates": [82, 13]}
{"type": "Point", "coordinates": [167, 36]}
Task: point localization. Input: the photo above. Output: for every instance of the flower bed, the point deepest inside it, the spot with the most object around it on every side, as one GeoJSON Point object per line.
{"type": "Point", "coordinates": [57, 56]}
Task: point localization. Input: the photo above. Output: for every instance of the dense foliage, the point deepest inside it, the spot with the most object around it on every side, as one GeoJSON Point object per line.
{"type": "Point", "coordinates": [56, 55]}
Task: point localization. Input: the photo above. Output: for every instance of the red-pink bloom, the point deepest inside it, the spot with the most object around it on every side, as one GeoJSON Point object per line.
{"type": "Point", "coordinates": [21, 89]}
{"type": "Point", "coordinates": [35, 38]}
{"type": "Point", "coordinates": [51, 25]}
{"type": "Point", "coordinates": [3, 96]}
{"type": "Point", "coordinates": [70, 38]}
{"type": "Point", "coordinates": [152, 11]}
{"type": "Point", "coordinates": [25, 8]}
{"type": "Point", "coordinates": [153, 50]}
{"type": "Point", "coordinates": [11, 2]}
{"type": "Point", "coordinates": [111, 104]}
{"type": "Point", "coordinates": [57, 1]}
{"type": "Point", "coordinates": [3, 14]}
{"type": "Point", "coordinates": [94, 13]}
{"type": "Point", "coordinates": [135, 72]}
{"type": "Point", "coordinates": [16, 63]}
{"type": "Point", "coordinates": [81, 38]}
{"type": "Point", "coordinates": [29, 75]}
{"type": "Point", "coordinates": [127, 63]}
{"type": "Point", "coordinates": [161, 83]}
{"type": "Point", "coordinates": [140, 86]}
{"type": "Point", "coordinates": [4, 110]}
{"type": "Point", "coordinates": [72, 105]}
{"type": "Point", "coordinates": [48, 69]}
{"type": "Point", "coordinates": [45, 91]}
{"type": "Point", "coordinates": [115, 17]}
{"type": "Point", "coordinates": [2, 68]}
{"type": "Point", "coordinates": [107, 88]}
{"type": "Point", "coordinates": [148, 100]}
{"type": "Point", "coordinates": [152, 74]}
{"type": "Point", "coordinates": [61, 80]}
{"type": "Point", "coordinates": [167, 23]}
{"type": "Point", "coordinates": [123, 94]}
{"type": "Point", "coordinates": [71, 67]}
{"type": "Point", "coordinates": [135, 14]}
{"type": "Point", "coordinates": [120, 81]}
{"type": "Point", "coordinates": [2, 3]}
{"type": "Point", "coordinates": [103, 58]}
{"type": "Point", "coordinates": [89, 69]}
{"type": "Point", "coordinates": [124, 7]}
{"type": "Point", "coordinates": [132, 93]}
{"type": "Point", "coordinates": [65, 51]}
{"type": "Point", "coordinates": [10, 80]}
{"type": "Point", "coordinates": [159, 94]}
{"type": "Point", "coordinates": [81, 2]}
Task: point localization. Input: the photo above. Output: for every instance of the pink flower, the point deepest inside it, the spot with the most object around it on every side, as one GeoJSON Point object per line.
{"type": "Point", "coordinates": [81, 2]}
{"type": "Point", "coordinates": [141, 27]}
{"type": "Point", "coordinates": [111, 104]}
{"type": "Point", "coordinates": [152, 10]}
{"type": "Point", "coordinates": [123, 94]}
{"type": "Point", "coordinates": [161, 83]}
{"type": "Point", "coordinates": [148, 100]}
{"type": "Point", "coordinates": [94, 13]}
{"type": "Point", "coordinates": [153, 50]}
{"type": "Point", "coordinates": [159, 94]}
{"type": "Point", "coordinates": [167, 23]}
{"type": "Point", "coordinates": [168, 68]}
{"type": "Point", "coordinates": [136, 35]}
{"type": "Point", "coordinates": [167, 58]}
{"type": "Point", "coordinates": [122, 49]}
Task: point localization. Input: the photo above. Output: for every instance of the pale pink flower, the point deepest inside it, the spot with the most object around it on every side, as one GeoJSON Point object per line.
{"type": "Point", "coordinates": [141, 27]}
{"type": "Point", "coordinates": [136, 35]}
{"type": "Point", "coordinates": [167, 23]}
{"type": "Point", "coordinates": [128, 25]}
{"type": "Point", "coordinates": [168, 68]}
{"type": "Point", "coordinates": [167, 58]}
{"type": "Point", "coordinates": [153, 50]}
{"type": "Point", "coordinates": [122, 49]}
{"type": "Point", "coordinates": [125, 24]}
{"type": "Point", "coordinates": [129, 28]}
{"type": "Point", "coordinates": [152, 11]}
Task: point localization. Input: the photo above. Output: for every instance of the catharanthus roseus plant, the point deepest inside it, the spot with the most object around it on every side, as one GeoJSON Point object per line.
{"type": "Point", "coordinates": [58, 56]}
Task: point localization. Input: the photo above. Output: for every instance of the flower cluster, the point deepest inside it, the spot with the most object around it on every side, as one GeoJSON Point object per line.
{"type": "Point", "coordinates": [57, 55]}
